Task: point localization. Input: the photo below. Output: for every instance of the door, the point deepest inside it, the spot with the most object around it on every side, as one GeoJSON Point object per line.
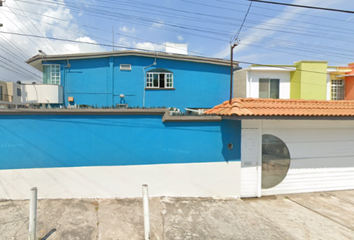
{"type": "Point", "coordinates": [249, 163]}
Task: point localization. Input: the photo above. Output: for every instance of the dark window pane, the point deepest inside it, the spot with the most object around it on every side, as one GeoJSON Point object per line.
{"type": "Point", "coordinates": [274, 88]}
{"type": "Point", "coordinates": [162, 80]}
{"type": "Point", "coordinates": [156, 80]}
{"type": "Point", "coordinates": [263, 88]}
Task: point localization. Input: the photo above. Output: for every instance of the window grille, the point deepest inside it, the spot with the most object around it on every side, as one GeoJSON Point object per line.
{"type": "Point", "coordinates": [337, 89]}
{"type": "Point", "coordinates": [51, 74]}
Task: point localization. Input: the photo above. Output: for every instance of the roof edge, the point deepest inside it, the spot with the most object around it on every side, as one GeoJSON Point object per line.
{"type": "Point", "coordinates": [36, 60]}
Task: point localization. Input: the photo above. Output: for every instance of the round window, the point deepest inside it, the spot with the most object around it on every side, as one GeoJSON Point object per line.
{"type": "Point", "coordinates": [275, 161]}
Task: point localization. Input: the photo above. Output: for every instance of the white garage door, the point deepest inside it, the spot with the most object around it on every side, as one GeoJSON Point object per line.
{"type": "Point", "coordinates": [321, 155]}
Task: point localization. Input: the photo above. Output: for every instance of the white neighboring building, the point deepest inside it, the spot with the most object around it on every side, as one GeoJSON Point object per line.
{"type": "Point", "coordinates": [42, 94]}
{"type": "Point", "coordinates": [269, 81]}
{"type": "Point", "coordinates": [20, 94]}
{"type": "Point", "coordinates": [303, 80]}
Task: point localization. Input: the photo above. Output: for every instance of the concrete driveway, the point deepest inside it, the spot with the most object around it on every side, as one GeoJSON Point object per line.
{"type": "Point", "coordinates": [326, 215]}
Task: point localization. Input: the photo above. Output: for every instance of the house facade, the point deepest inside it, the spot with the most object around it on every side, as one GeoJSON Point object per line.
{"type": "Point", "coordinates": [137, 79]}
{"type": "Point", "coordinates": [303, 80]}
{"type": "Point", "coordinates": [249, 148]}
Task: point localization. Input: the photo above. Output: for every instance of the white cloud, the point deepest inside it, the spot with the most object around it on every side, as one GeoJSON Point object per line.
{"type": "Point", "coordinates": [127, 30]}
{"type": "Point", "coordinates": [180, 38]}
{"type": "Point", "coordinates": [22, 47]}
{"type": "Point", "coordinates": [158, 24]}
{"type": "Point", "coordinates": [123, 41]}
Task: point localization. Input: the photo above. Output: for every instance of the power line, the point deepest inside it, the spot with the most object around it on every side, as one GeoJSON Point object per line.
{"type": "Point", "coordinates": [15, 47]}
{"type": "Point", "coordinates": [276, 10]}
{"type": "Point", "coordinates": [131, 36]}
{"type": "Point", "coordinates": [74, 41]}
{"type": "Point", "coordinates": [187, 28]}
{"type": "Point", "coordinates": [143, 20]}
{"type": "Point", "coordinates": [244, 19]}
{"type": "Point", "coordinates": [22, 24]}
{"type": "Point", "coordinates": [89, 26]}
{"type": "Point", "coordinates": [304, 6]}
{"type": "Point", "coordinates": [35, 26]}
{"type": "Point", "coordinates": [14, 71]}
{"type": "Point", "coordinates": [108, 45]}
{"type": "Point", "coordinates": [19, 66]}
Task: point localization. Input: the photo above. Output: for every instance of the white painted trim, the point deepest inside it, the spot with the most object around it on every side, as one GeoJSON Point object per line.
{"type": "Point", "coordinates": [259, 162]}
{"type": "Point", "coordinates": [158, 80]}
{"type": "Point", "coordinates": [269, 68]}
{"type": "Point", "coordinates": [185, 180]}
{"type": "Point", "coordinates": [328, 95]}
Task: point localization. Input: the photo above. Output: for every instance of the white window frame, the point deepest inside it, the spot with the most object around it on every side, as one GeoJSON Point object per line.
{"type": "Point", "coordinates": [125, 67]}
{"type": "Point", "coordinates": [51, 74]}
{"type": "Point", "coordinates": [337, 89]}
{"type": "Point", "coordinates": [150, 80]}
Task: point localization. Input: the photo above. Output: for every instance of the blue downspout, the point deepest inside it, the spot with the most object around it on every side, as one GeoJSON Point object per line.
{"type": "Point", "coordinates": [110, 99]}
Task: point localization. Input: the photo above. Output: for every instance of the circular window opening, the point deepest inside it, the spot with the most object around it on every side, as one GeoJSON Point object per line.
{"type": "Point", "coordinates": [275, 161]}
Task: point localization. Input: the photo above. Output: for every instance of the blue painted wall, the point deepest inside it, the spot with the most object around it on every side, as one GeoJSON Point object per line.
{"type": "Point", "coordinates": [73, 141]}
{"type": "Point", "coordinates": [100, 81]}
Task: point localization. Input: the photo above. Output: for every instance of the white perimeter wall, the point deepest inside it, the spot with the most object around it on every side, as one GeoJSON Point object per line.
{"type": "Point", "coordinates": [42, 93]}
{"type": "Point", "coordinates": [253, 77]}
{"type": "Point", "coordinates": [322, 153]}
{"type": "Point", "coordinates": [188, 180]}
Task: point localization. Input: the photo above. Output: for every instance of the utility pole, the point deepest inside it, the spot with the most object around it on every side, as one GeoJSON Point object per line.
{"type": "Point", "coordinates": [232, 68]}
{"type": "Point", "coordinates": [113, 37]}
{"type": "Point", "coordinates": [1, 1]}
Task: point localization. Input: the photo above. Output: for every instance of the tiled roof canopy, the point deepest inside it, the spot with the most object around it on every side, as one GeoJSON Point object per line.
{"type": "Point", "coordinates": [283, 107]}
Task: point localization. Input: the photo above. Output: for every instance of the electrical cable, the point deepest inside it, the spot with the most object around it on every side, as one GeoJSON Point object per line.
{"type": "Point", "coordinates": [22, 24]}
{"type": "Point", "coordinates": [244, 19]}
{"type": "Point", "coordinates": [304, 6]}
{"type": "Point", "coordinates": [35, 26]}
{"type": "Point", "coordinates": [294, 13]}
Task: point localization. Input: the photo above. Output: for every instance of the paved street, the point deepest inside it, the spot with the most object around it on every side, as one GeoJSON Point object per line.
{"type": "Point", "coordinates": [328, 215]}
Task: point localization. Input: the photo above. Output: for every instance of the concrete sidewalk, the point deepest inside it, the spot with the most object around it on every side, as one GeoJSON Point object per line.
{"type": "Point", "coordinates": [327, 215]}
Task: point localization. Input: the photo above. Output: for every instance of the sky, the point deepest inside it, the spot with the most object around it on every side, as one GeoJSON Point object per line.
{"type": "Point", "coordinates": [271, 34]}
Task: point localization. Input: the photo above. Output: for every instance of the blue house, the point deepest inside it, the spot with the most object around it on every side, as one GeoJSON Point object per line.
{"type": "Point", "coordinates": [137, 79]}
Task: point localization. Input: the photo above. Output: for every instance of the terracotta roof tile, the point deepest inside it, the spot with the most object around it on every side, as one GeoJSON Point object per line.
{"type": "Point", "coordinates": [283, 107]}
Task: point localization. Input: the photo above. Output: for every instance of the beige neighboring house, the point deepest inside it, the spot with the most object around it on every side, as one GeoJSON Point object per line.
{"type": "Point", "coordinates": [10, 92]}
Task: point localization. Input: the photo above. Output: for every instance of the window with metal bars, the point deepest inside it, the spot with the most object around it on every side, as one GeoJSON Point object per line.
{"type": "Point", "coordinates": [51, 74]}
{"type": "Point", "coordinates": [337, 89]}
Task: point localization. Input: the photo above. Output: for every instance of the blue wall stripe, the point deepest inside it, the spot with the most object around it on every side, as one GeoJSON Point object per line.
{"type": "Point", "coordinates": [74, 141]}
